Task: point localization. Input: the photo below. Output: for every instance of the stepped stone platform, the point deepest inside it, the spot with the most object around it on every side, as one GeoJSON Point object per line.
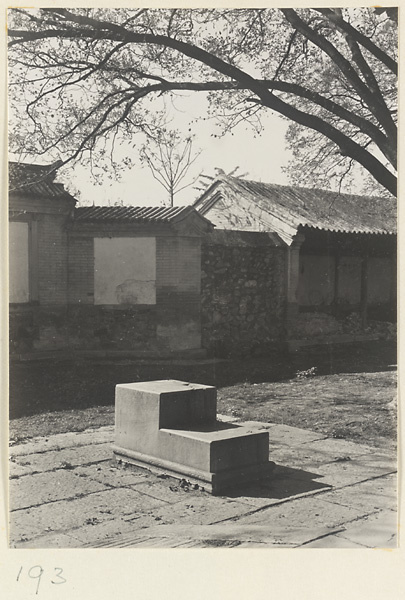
{"type": "Point", "coordinates": [170, 427]}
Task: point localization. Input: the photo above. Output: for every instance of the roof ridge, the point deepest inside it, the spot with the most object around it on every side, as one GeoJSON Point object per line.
{"type": "Point", "coordinates": [303, 188]}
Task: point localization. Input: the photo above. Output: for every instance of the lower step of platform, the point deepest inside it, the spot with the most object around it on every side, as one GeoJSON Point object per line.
{"type": "Point", "coordinates": [215, 483]}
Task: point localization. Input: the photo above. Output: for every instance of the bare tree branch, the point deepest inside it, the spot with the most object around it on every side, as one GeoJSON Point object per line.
{"type": "Point", "coordinates": [169, 158]}
{"type": "Point", "coordinates": [308, 107]}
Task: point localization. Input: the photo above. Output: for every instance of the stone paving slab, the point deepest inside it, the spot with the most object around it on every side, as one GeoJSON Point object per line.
{"type": "Point", "coordinates": [147, 540]}
{"type": "Point", "coordinates": [221, 534]}
{"type": "Point", "coordinates": [338, 447]}
{"type": "Point", "coordinates": [64, 440]}
{"type": "Point", "coordinates": [377, 494]}
{"type": "Point", "coordinates": [111, 475]}
{"type": "Point", "coordinates": [334, 468]}
{"type": "Point", "coordinates": [378, 530]}
{"type": "Point", "coordinates": [52, 540]}
{"type": "Point", "coordinates": [198, 510]}
{"type": "Point", "coordinates": [313, 455]}
{"type": "Point", "coordinates": [291, 436]}
{"type": "Point", "coordinates": [323, 493]}
{"type": "Point", "coordinates": [65, 515]}
{"type": "Point", "coordinates": [172, 542]}
{"type": "Point", "coordinates": [98, 534]}
{"type": "Point", "coordinates": [256, 424]}
{"type": "Point", "coordinates": [64, 458]}
{"type": "Point", "coordinates": [169, 492]}
{"type": "Point", "coordinates": [19, 469]}
{"type": "Point", "coordinates": [310, 455]}
{"type": "Point", "coordinates": [34, 490]}
{"type": "Point", "coordinates": [314, 511]}
{"type": "Point", "coordinates": [300, 458]}
{"type": "Point", "coordinates": [333, 541]}
{"type": "Point", "coordinates": [285, 484]}
{"type": "Point", "coordinates": [342, 474]}
{"type": "Point", "coordinates": [385, 462]}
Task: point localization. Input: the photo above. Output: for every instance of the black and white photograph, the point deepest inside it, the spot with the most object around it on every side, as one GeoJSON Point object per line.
{"type": "Point", "coordinates": [202, 279]}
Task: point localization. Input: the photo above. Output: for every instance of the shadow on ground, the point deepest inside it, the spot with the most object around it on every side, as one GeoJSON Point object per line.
{"type": "Point", "coordinates": [285, 482]}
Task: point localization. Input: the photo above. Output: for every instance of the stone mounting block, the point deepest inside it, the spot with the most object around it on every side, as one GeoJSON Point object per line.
{"type": "Point", "coordinates": [170, 427]}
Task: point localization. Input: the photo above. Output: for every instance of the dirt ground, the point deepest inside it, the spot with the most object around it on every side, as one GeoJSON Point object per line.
{"type": "Point", "coordinates": [350, 406]}
{"type": "Point", "coordinates": [346, 392]}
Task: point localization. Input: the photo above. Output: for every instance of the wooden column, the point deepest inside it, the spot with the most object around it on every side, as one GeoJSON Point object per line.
{"type": "Point", "coordinates": [33, 260]}
{"type": "Point", "coordinates": [393, 291]}
{"type": "Point", "coordinates": [293, 271]}
{"type": "Point", "coordinates": [336, 284]}
{"type": "Point", "coordinates": [363, 291]}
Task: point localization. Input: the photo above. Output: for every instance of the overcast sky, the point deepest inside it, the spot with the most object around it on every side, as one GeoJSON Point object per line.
{"type": "Point", "coordinates": [261, 157]}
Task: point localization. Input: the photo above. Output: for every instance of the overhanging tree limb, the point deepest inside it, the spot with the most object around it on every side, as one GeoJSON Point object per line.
{"type": "Point", "coordinates": [362, 39]}
{"type": "Point", "coordinates": [378, 108]}
{"type": "Point", "coordinates": [64, 24]}
{"type": "Point", "coordinates": [363, 124]}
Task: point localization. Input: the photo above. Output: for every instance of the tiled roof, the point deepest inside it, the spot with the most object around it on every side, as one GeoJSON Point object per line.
{"type": "Point", "coordinates": [315, 208]}
{"type": "Point", "coordinates": [132, 214]}
{"type": "Point", "coordinates": [35, 180]}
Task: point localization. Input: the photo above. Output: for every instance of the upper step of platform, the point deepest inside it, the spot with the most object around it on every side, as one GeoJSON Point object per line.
{"type": "Point", "coordinates": [170, 403]}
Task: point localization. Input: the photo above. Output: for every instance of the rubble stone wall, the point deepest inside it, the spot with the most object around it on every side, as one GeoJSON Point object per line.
{"type": "Point", "coordinates": [243, 294]}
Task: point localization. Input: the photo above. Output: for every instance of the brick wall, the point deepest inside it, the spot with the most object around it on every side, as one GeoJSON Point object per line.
{"type": "Point", "coordinates": [176, 262]}
{"type": "Point", "coordinates": [41, 323]}
{"type": "Point", "coordinates": [52, 259]}
{"type": "Point", "coordinates": [81, 270]}
{"type": "Point", "coordinates": [65, 317]}
{"type": "Point", "coordinates": [243, 293]}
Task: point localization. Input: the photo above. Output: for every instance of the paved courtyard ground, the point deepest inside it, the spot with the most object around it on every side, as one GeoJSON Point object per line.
{"type": "Point", "coordinates": [66, 492]}
{"type": "Point", "coordinates": [332, 437]}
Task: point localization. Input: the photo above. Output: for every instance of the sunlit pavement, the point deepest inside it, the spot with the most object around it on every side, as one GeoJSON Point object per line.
{"type": "Point", "coordinates": [67, 492]}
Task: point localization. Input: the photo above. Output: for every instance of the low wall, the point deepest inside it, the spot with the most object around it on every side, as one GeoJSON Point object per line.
{"type": "Point", "coordinates": [159, 313]}
{"type": "Point", "coordinates": [242, 292]}
{"type": "Point", "coordinates": [169, 326]}
{"type": "Point", "coordinates": [47, 328]}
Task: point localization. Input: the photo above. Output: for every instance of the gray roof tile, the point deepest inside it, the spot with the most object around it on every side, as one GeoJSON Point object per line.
{"type": "Point", "coordinates": [321, 209]}
{"type": "Point", "coordinates": [35, 180]}
{"type": "Point", "coordinates": [131, 214]}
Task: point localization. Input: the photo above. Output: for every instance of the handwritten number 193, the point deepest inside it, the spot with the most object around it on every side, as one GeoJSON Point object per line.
{"type": "Point", "coordinates": [37, 571]}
